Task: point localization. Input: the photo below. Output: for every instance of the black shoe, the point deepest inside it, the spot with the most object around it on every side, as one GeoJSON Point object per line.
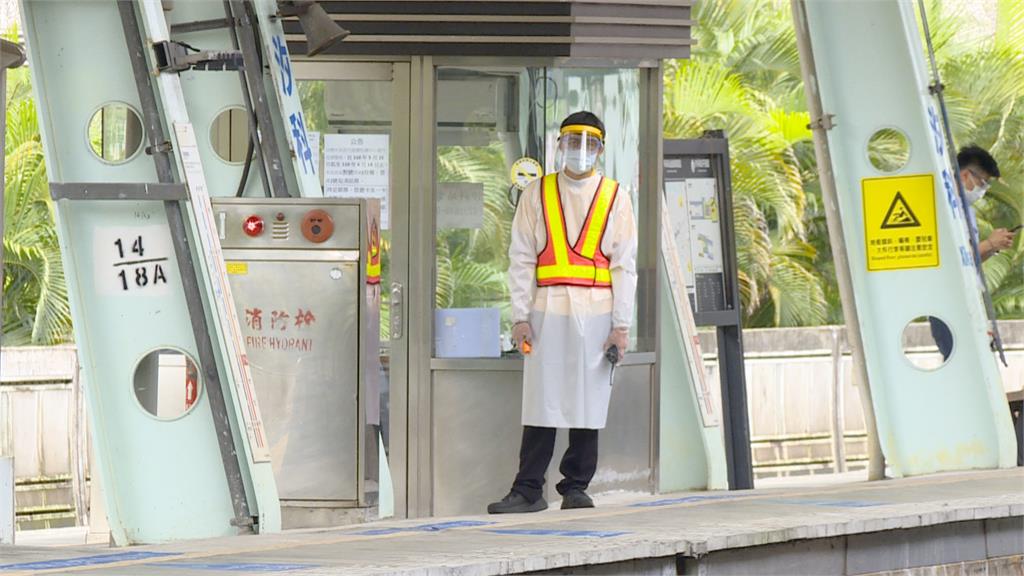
{"type": "Point", "coordinates": [516, 503]}
{"type": "Point", "coordinates": [576, 499]}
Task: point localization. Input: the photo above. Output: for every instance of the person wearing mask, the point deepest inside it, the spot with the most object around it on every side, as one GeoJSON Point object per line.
{"type": "Point", "coordinates": [977, 170]}
{"type": "Point", "coordinates": [572, 279]}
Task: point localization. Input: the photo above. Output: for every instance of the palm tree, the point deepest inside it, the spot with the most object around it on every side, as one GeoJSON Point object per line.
{"type": "Point", "coordinates": [745, 78]}
{"type": "Point", "coordinates": [985, 98]}
{"type": "Point", "coordinates": [36, 307]}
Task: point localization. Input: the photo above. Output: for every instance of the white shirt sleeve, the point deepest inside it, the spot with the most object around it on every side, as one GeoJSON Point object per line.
{"type": "Point", "coordinates": [522, 253]}
{"type": "Point", "coordinates": [619, 244]}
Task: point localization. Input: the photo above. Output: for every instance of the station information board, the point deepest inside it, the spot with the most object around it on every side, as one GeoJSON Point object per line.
{"type": "Point", "coordinates": [692, 200]}
{"type": "Point", "coordinates": [698, 200]}
{"type": "Point", "coordinates": [700, 209]}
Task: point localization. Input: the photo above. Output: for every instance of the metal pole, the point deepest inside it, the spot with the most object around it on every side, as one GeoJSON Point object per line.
{"type": "Point", "coordinates": [838, 405]}
{"type": "Point", "coordinates": [3, 174]}
{"type": "Point", "coordinates": [189, 274]}
{"type": "Point", "coordinates": [250, 112]}
{"type": "Point", "coordinates": [78, 440]}
{"type": "Point", "coordinates": [820, 124]}
{"type": "Point", "coordinates": [256, 98]}
{"type": "Point", "coordinates": [735, 413]}
{"type": "Point", "coordinates": [6, 464]}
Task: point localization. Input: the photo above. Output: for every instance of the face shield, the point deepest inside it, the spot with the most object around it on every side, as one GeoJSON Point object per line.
{"type": "Point", "coordinates": [578, 148]}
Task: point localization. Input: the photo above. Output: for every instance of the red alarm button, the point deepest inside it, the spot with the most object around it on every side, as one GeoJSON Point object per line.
{"type": "Point", "coordinates": [317, 226]}
{"type": "Point", "coordinates": [253, 225]}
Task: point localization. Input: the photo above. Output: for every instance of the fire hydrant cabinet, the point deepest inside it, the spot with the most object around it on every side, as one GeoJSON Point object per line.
{"type": "Point", "coordinates": [297, 269]}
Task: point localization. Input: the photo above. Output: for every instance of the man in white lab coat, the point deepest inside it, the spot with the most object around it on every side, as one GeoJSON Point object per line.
{"type": "Point", "coordinates": [572, 278]}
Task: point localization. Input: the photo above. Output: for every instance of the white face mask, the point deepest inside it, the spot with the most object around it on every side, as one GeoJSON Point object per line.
{"type": "Point", "coordinates": [978, 191]}
{"type": "Point", "coordinates": [975, 194]}
{"type": "Point", "coordinates": [579, 161]}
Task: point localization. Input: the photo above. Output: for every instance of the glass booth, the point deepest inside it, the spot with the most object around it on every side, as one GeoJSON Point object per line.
{"type": "Point", "coordinates": [435, 139]}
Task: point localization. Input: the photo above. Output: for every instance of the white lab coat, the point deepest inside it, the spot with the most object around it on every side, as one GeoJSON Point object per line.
{"type": "Point", "coordinates": [566, 380]}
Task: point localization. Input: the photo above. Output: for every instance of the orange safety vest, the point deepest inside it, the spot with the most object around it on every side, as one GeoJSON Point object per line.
{"type": "Point", "coordinates": [583, 264]}
{"type": "Point", "coordinates": [373, 259]}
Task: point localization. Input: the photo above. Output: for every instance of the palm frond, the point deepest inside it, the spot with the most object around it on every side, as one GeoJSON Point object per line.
{"type": "Point", "coordinates": [1010, 25]}
{"type": "Point", "coordinates": [797, 295]}
{"type": "Point", "coordinates": [36, 309]}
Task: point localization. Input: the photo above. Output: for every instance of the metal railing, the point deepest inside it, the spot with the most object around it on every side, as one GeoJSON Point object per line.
{"type": "Point", "coordinates": [803, 397]}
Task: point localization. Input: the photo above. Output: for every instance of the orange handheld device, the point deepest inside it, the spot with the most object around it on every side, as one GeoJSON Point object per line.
{"type": "Point", "coordinates": [526, 348]}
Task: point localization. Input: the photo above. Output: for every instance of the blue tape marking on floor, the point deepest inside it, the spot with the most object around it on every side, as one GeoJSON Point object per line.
{"type": "Point", "coordinates": [546, 532]}
{"type": "Point", "coordinates": [835, 503]}
{"type": "Point", "coordinates": [451, 524]}
{"type": "Point", "coordinates": [85, 561]}
{"type": "Point", "coordinates": [681, 500]}
{"type": "Point", "coordinates": [228, 567]}
{"type": "Point", "coordinates": [379, 531]}
{"type": "Point", "coordinates": [435, 527]}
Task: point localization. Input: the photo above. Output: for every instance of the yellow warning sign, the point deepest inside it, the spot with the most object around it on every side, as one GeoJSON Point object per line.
{"type": "Point", "coordinates": [899, 222]}
{"type": "Point", "coordinates": [237, 268]}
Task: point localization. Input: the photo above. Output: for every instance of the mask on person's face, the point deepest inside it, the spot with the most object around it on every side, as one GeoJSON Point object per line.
{"type": "Point", "coordinates": [977, 192]}
{"type": "Point", "coordinates": [579, 161]}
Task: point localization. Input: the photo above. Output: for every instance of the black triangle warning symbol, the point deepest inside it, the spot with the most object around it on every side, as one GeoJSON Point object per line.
{"type": "Point", "coordinates": [899, 214]}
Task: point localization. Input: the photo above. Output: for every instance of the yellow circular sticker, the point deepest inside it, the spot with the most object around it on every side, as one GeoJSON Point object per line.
{"type": "Point", "coordinates": [524, 171]}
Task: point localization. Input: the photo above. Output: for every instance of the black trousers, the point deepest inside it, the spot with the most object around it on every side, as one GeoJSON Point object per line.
{"type": "Point", "coordinates": [578, 464]}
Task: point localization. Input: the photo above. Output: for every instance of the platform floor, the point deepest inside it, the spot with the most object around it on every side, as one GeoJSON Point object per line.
{"type": "Point", "coordinates": [621, 530]}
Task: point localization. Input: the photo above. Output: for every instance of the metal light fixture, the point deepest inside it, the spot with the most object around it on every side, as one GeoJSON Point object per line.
{"type": "Point", "coordinates": [321, 31]}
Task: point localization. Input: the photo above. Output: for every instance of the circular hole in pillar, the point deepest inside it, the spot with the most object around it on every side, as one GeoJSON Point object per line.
{"type": "Point", "coordinates": [229, 135]}
{"type": "Point", "coordinates": [927, 342]}
{"type": "Point", "coordinates": [889, 150]}
{"type": "Point", "coordinates": [166, 383]}
{"type": "Point", "coordinates": [115, 133]}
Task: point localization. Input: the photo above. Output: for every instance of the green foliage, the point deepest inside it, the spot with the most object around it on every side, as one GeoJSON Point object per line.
{"type": "Point", "coordinates": [744, 78]}
{"type": "Point", "coordinates": [471, 264]}
{"type": "Point", "coordinates": [35, 307]}
{"type": "Point", "coordinates": [986, 98]}
{"type": "Point", "coordinates": [1010, 25]}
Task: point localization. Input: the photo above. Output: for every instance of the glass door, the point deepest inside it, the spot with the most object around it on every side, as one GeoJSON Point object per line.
{"type": "Point", "coordinates": [496, 130]}
{"type": "Point", "coordinates": [358, 122]}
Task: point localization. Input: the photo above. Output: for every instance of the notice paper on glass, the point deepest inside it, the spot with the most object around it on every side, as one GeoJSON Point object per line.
{"type": "Point", "coordinates": [460, 205]}
{"type": "Point", "coordinates": [356, 166]}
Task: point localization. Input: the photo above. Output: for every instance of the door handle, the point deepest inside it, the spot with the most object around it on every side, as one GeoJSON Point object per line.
{"type": "Point", "coordinates": [397, 310]}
